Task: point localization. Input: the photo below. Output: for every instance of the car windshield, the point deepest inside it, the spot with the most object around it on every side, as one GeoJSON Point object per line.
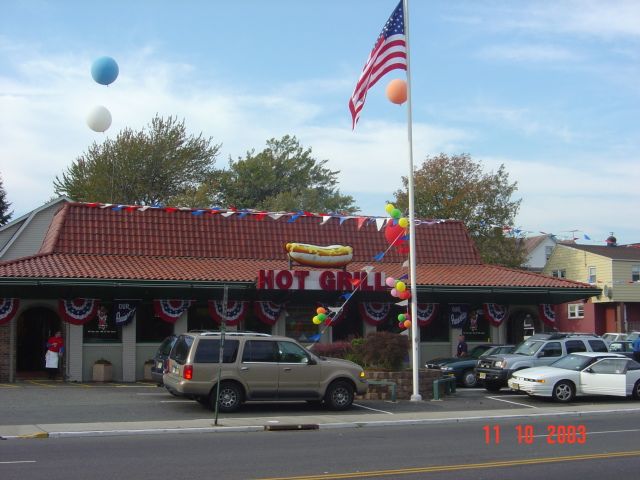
{"type": "Point", "coordinates": [476, 352]}
{"type": "Point", "coordinates": [528, 347]}
{"type": "Point", "coordinates": [573, 362]}
{"type": "Point", "coordinates": [609, 336]}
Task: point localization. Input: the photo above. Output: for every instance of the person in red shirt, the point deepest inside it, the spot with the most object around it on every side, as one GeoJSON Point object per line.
{"type": "Point", "coordinates": [55, 348]}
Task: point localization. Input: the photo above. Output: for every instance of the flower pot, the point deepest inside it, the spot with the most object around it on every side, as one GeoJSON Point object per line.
{"type": "Point", "coordinates": [102, 372]}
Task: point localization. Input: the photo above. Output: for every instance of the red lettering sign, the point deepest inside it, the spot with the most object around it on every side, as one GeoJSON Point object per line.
{"type": "Point", "coordinates": [284, 279]}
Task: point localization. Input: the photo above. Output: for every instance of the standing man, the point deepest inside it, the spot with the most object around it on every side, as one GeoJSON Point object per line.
{"type": "Point", "coordinates": [462, 347]}
{"type": "Point", "coordinates": [55, 347]}
{"type": "Point", "coordinates": [636, 349]}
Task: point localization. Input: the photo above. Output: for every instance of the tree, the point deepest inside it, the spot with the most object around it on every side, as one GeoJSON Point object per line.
{"type": "Point", "coordinates": [5, 214]}
{"type": "Point", "coordinates": [455, 187]}
{"type": "Point", "coordinates": [159, 164]}
{"type": "Point", "coordinates": [284, 176]}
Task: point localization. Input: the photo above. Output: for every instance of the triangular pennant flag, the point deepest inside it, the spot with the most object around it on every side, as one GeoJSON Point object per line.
{"type": "Point", "coordinates": [227, 214]}
{"type": "Point", "coordinates": [276, 216]}
{"type": "Point", "coordinates": [346, 296]}
{"type": "Point", "coordinates": [334, 309]}
{"type": "Point", "coordinates": [342, 219]}
{"type": "Point", "coordinates": [361, 221]}
{"type": "Point", "coordinates": [405, 264]}
{"type": "Point", "coordinates": [106, 205]}
{"type": "Point", "coordinates": [368, 268]}
{"type": "Point", "coordinates": [404, 277]}
{"type": "Point", "coordinates": [197, 212]}
{"type": "Point", "coordinates": [325, 219]}
{"type": "Point", "coordinates": [380, 223]}
{"type": "Point", "coordinates": [117, 208]}
{"type": "Point", "coordinates": [243, 214]}
{"type": "Point", "coordinates": [142, 209]}
{"type": "Point", "coordinates": [403, 303]}
{"type": "Point", "coordinates": [355, 281]}
{"type": "Point", "coordinates": [260, 215]}
{"type": "Point", "coordinates": [379, 257]}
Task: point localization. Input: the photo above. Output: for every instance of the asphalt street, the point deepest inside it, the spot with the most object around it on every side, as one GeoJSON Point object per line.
{"type": "Point", "coordinates": [524, 448]}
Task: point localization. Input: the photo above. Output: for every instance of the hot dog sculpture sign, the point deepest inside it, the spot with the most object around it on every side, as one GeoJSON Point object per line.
{"type": "Point", "coordinates": [332, 256]}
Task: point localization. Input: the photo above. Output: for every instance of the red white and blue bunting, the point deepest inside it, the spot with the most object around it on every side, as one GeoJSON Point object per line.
{"type": "Point", "coordinates": [427, 312]}
{"type": "Point", "coordinates": [232, 315]}
{"type": "Point", "coordinates": [8, 309]}
{"type": "Point", "coordinates": [170, 310]}
{"type": "Point", "coordinates": [374, 313]}
{"type": "Point", "coordinates": [496, 313]}
{"type": "Point", "coordinates": [548, 314]}
{"type": "Point", "coordinates": [79, 310]}
{"type": "Point", "coordinates": [268, 312]}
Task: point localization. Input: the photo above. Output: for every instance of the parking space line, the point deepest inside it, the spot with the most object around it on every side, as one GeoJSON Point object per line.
{"type": "Point", "coordinates": [177, 401]}
{"type": "Point", "coordinates": [40, 384]}
{"type": "Point", "coordinates": [17, 461]}
{"type": "Point", "coordinates": [514, 403]}
{"type": "Point", "coordinates": [8, 385]}
{"type": "Point", "coordinates": [374, 409]}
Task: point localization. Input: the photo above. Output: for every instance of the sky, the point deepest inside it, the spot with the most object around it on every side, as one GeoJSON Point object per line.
{"type": "Point", "coordinates": [550, 89]}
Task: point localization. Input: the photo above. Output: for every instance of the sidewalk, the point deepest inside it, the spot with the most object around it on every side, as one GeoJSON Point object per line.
{"type": "Point", "coordinates": [322, 421]}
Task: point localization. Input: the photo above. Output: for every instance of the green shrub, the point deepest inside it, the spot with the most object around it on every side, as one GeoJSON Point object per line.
{"type": "Point", "coordinates": [335, 349]}
{"type": "Point", "coordinates": [385, 350]}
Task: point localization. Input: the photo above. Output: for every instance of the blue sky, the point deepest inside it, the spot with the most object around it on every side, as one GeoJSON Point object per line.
{"type": "Point", "coordinates": [550, 89]}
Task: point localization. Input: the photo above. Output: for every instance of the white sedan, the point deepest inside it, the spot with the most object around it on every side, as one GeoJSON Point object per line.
{"type": "Point", "coordinates": [583, 373]}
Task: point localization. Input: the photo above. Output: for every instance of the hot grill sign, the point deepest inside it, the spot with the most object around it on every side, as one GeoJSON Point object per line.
{"type": "Point", "coordinates": [327, 280]}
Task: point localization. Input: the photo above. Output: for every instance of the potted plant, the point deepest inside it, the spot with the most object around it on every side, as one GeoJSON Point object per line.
{"type": "Point", "coordinates": [102, 371]}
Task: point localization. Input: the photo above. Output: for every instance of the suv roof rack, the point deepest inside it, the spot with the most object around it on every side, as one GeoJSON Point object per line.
{"type": "Point", "coordinates": [235, 334]}
{"type": "Point", "coordinates": [556, 335]}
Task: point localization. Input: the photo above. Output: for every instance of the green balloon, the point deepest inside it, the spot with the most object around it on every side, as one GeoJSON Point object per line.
{"type": "Point", "coordinates": [402, 317]}
{"type": "Point", "coordinates": [396, 213]}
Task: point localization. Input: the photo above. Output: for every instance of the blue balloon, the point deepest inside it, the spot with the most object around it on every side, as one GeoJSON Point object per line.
{"type": "Point", "coordinates": [105, 70]}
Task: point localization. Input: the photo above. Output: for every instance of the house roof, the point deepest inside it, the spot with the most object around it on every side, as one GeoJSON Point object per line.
{"type": "Point", "coordinates": [90, 244]}
{"type": "Point", "coordinates": [531, 243]}
{"type": "Point", "coordinates": [614, 253]}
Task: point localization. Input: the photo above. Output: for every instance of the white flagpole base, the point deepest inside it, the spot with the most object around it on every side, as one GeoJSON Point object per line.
{"type": "Point", "coordinates": [416, 397]}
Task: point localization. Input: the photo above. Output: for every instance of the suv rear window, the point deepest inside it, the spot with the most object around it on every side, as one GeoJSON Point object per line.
{"type": "Point", "coordinates": [209, 351]}
{"type": "Point", "coordinates": [180, 350]}
{"type": "Point", "coordinates": [598, 346]}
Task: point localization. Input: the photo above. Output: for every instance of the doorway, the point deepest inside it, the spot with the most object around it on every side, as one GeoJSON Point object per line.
{"type": "Point", "coordinates": [35, 326]}
{"type": "Point", "coordinates": [521, 325]}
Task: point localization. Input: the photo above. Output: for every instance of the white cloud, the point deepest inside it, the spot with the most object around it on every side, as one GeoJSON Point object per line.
{"type": "Point", "coordinates": [529, 53]}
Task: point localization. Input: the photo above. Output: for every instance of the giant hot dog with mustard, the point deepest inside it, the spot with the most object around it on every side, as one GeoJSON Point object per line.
{"type": "Point", "coordinates": [315, 256]}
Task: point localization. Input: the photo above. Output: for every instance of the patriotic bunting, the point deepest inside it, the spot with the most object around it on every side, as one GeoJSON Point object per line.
{"type": "Point", "coordinates": [232, 315]}
{"type": "Point", "coordinates": [427, 312]}
{"type": "Point", "coordinates": [8, 309]}
{"type": "Point", "coordinates": [496, 313]}
{"type": "Point", "coordinates": [548, 314]}
{"type": "Point", "coordinates": [268, 312]}
{"type": "Point", "coordinates": [78, 311]}
{"type": "Point", "coordinates": [170, 310]}
{"type": "Point", "coordinates": [374, 313]}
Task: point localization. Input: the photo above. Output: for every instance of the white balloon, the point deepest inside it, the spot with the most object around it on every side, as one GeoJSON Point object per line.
{"type": "Point", "coordinates": [99, 119]}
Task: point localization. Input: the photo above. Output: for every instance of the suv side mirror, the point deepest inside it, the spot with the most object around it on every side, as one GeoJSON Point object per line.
{"type": "Point", "coordinates": [311, 361]}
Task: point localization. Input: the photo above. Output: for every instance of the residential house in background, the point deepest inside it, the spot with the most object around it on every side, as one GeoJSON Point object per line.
{"type": "Point", "coordinates": [539, 250]}
{"type": "Point", "coordinates": [616, 270]}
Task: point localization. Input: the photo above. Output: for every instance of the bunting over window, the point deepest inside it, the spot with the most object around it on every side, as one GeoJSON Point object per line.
{"type": "Point", "coordinates": [170, 310]}
{"type": "Point", "coordinates": [374, 313]}
{"type": "Point", "coordinates": [548, 314]}
{"type": "Point", "coordinates": [79, 310]}
{"type": "Point", "coordinates": [8, 309]}
{"type": "Point", "coordinates": [232, 314]}
{"type": "Point", "coordinates": [427, 312]}
{"type": "Point", "coordinates": [496, 313]}
{"type": "Point", "coordinates": [268, 312]}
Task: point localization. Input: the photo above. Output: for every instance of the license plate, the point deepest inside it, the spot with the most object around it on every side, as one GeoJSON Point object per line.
{"type": "Point", "coordinates": [515, 386]}
{"type": "Point", "coordinates": [482, 375]}
{"type": "Point", "coordinates": [159, 366]}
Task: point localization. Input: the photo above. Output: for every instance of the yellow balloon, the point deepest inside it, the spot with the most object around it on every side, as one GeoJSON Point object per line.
{"type": "Point", "coordinates": [403, 222]}
{"type": "Point", "coordinates": [401, 286]}
{"type": "Point", "coordinates": [389, 208]}
{"type": "Point", "coordinates": [316, 320]}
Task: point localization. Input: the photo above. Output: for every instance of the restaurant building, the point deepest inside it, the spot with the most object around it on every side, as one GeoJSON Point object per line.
{"type": "Point", "coordinates": [117, 279]}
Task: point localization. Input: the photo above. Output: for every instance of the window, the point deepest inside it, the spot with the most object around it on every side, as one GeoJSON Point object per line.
{"type": "Point", "coordinates": [559, 273]}
{"type": "Point", "coordinates": [292, 353]}
{"type": "Point", "coordinates": [598, 346]}
{"type": "Point", "coordinates": [262, 351]}
{"type": "Point", "coordinates": [209, 351]}
{"type": "Point", "coordinates": [551, 349]}
{"type": "Point", "coordinates": [180, 350]}
{"type": "Point", "coordinates": [635, 273]}
{"type": "Point", "coordinates": [150, 328]}
{"type": "Point", "coordinates": [548, 250]}
{"type": "Point", "coordinates": [476, 329]}
{"type": "Point", "coordinates": [592, 275]}
{"type": "Point", "coordinates": [102, 328]}
{"type": "Point", "coordinates": [612, 366]}
{"type": "Point", "coordinates": [576, 310]}
{"type": "Point", "coordinates": [438, 330]}
{"type": "Point", "coordinates": [575, 346]}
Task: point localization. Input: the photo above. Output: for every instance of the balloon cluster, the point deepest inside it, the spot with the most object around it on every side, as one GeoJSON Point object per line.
{"type": "Point", "coordinates": [321, 317]}
{"type": "Point", "coordinates": [399, 290]}
{"type": "Point", "coordinates": [396, 230]}
{"type": "Point", "coordinates": [104, 71]}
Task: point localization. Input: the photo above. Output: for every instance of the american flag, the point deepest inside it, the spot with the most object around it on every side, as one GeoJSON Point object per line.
{"type": "Point", "coordinates": [389, 53]}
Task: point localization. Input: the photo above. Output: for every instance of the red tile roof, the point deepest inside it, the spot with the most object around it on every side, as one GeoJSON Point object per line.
{"type": "Point", "coordinates": [85, 242]}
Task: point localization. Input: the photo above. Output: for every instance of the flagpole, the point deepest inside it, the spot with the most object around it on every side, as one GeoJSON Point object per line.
{"type": "Point", "coordinates": [415, 332]}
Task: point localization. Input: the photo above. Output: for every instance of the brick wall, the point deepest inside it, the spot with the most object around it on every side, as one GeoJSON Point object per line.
{"type": "Point", "coordinates": [404, 382]}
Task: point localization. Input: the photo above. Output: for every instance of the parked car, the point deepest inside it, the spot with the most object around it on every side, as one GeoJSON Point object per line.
{"type": "Point", "coordinates": [613, 337]}
{"type": "Point", "coordinates": [632, 336]}
{"type": "Point", "coordinates": [160, 359]}
{"type": "Point", "coordinates": [464, 368]}
{"type": "Point", "coordinates": [540, 349]}
{"type": "Point", "coordinates": [585, 373]}
{"type": "Point", "coordinates": [624, 347]}
{"type": "Point", "coordinates": [257, 366]}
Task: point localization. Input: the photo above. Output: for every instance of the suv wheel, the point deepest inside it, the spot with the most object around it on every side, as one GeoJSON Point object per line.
{"type": "Point", "coordinates": [563, 391]}
{"type": "Point", "coordinates": [339, 395]}
{"type": "Point", "coordinates": [493, 387]}
{"type": "Point", "coordinates": [229, 399]}
{"type": "Point", "coordinates": [469, 378]}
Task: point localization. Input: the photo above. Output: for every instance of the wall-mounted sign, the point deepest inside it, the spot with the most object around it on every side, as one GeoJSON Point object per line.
{"type": "Point", "coordinates": [327, 280]}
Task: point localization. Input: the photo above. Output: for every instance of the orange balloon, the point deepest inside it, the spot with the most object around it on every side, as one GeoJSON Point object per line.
{"type": "Point", "coordinates": [397, 91]}
{"type": "Point", "coordinates": [407, 324]}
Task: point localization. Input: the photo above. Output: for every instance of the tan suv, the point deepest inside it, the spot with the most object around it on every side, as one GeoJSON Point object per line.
{"type": "Point", "coordinates": [257, 366]}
